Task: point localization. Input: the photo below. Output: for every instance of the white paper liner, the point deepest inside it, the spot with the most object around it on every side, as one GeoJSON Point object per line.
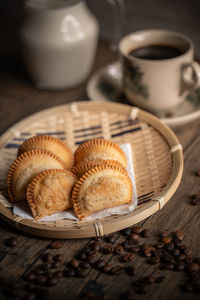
{"type": "Point", "coordinates": [22, 209]}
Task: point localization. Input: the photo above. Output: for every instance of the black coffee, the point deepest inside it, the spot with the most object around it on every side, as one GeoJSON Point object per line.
{"type": "Point", "coordinates": [156, 52]}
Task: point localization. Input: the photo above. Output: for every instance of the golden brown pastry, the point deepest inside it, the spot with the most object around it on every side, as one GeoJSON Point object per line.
{"type": "Point", "coordinates": [50, 192]}
{"type": "Point", "coordinates": [52, 144]}
{"type": "Point", "coordinates": [25, 167]}
{"type": "Point", "coordinates": [100, 188]}
{"type": "Point", "coordinates": [85, 166]}
{"type": "Point", "coordinates": [99, 149]}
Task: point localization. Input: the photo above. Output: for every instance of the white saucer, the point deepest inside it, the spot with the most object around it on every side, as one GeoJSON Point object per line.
{"type": "Point", "coordinates": [106, 85]}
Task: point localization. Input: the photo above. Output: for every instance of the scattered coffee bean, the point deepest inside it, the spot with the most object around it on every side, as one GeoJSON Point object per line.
{"type": "Point", "coordinates": [160, 245]}
{"type": "Point", "coordinates": [108, 249]}
{"type": "Point", "coordinates": [84, 265]}
{"type": "Point", "coordinates": [111, 239]}
{"type": "Point", "coordinates": [160, 279]}
{"type": "Point", "coordinates": [58, 274]}
{"type": "Point", "coordinates": [169, 247]}
{"type": "Point", "coordinates": [131, 270]}
{"type": "Point", "coordinates": [115, 270]}
{"type": "Point", "coordinates": [91, 259]}
{"type": "Point", "coordinates": [149, 279]}
{"type": "Point", "coordinates": [69, 272]}
{"type": "Point", "coordinates": [192, 267]}
{"type": "Point", "coordinates": [29, 277]}
{"type": "Point", "coordinates": [11, 242]}
{"type": "Point", "coordinates": [166, 240]}
{"type": "Point", "coordinates": [159, 253]}
{"type": "Point", "coordinates": [46, 266]}
{"type": "Point", "coordinates": [146, 233]}
{"type": "Point", "coordinates": [180, 257]}
{"type": "Point", "coordinates": [149, 251]}
{"type": "Point", "coordinates": [179, 266]}
{"type": "Point", "coordinates": [52, 281]}
{"type": "Point", "coordinates": [195, 199]}
{"type": "Point", "coordinates": [82, 255]}
{"type": "Point", "coordinates": [74, 263]}
{"type": "Point", "coordinates": [128, 257]}
{"type": "Point", "coordinates": [100, 263]}
{"type": "Point", "coordinates": [96, 246]}
{"type": "Point", "coordinates": [106, 268]}
{"type": "Point", "coordinates": [55, 245]}
{"type": "Point", "coordinates": [134, 236]}
{"type": "Point", "coordinates": [188, 259]}
{"type": "Point", "coordinates": [81, 272]}
{"type": "Point", "coordinates": [137, 229]}
{"type": "Point", "coordinates": [126, 231]}
{"type": "Point", "coordinates": [142, 289]}
{"type": "Point", "coordinates": [40, 280]}
{"type": "Point", "coordinates": [198, 173]}
{"type": "Point", "coordinates": [168, 258]}
{"type": "Point", "coordinates": [47, 257]}
{"type": "Point", "coordinates": [175, 252]}
{"type": "Point", "coordinates": [119, 250]}
{"type": "Point", "coordinates": [165, 233]}
{"type": "Point", "coordinates": [56, 264]}
{"type": "Point", "coordinates": [58, 257]}
{"type": "Point", "coordinates": [38, 271]}
{"type": "Point", "coordinates": [178, 235]}
{"type": "Point", "coordinates": [154, 260]}
{"type": "Point", "coordinates": [168, 266]}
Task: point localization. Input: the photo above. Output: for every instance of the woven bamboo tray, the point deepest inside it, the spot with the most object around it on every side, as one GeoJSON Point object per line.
{"type": "Point", "coordinates": [157, 159]}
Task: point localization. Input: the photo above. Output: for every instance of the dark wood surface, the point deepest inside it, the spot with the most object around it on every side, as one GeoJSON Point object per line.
{"type": "Point", "coordinates": [19, 99]}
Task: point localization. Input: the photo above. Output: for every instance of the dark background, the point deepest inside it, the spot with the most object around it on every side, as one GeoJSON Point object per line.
{"type": "Point", "coordinates": [178, 15]}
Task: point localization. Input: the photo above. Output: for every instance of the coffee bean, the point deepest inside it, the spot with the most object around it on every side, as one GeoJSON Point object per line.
{"type": "Point", "coordinates": [40, 280]}
{"type": "Point", "coordinates": [128, 257]}
{"type": "Point", "coordinates": [55, 245]}
{"type": "Point", "coordinates": [150, 279]}
{"type": "Point", "coordinates": [137, 229]}
{"type": "Point", "coordinates": [69, 272]}
{"type": "Point", "coordinates": [154, 260]}
{"type": "Point", "coordinates": [187, 287]}
{"type": "Point", "coordinates": [165, 233]}
{"type": "Point", "coordinates": [134, 236]}
{"type": "Point", "coordinates": [58, 257]}
{"type": "Point", "coordinates": [47, 257]}
{"type": "Point", "coordinates": [81, 272]}
{"type": "Point", "coordinates": [160, 245]}
{"type": "Point", "coordinates": [84, 265]}
{"type": "Point", "coordinates": [177, 243]}
{"type": "Point", "coordinates": [58, 274]}
{"type": "Point", "coordinates": [119, 250]}
{"type": "Point", "coordinates": [38, 271]}
{"type": "Point", "coordinates": [74, 263]}
{"type": "Point", "coordinates": [31, 287]}
{"type": "Point", "coordinates": [149, 251]}
{"type": "Point", "coordinates": [115, 270]}
{"type": "Point", "coordinates": [159, 253]}
{"type": "Point", "coordinates": [106, 268]}
{"type": "Point", "coordinates": [168, 266]}
{"type": "Point", "coordinates": [126, 231]}
{"type": "Point", "coordinates": [178, 235]}
{"type": "Point", "coordinates": [52, 281]}
{"type": "Point", "coordinates": [168, 258]}
{"type": "Point", "coordinates": [49, 274]}
{"type": "Point", "coordinates": [11, 242]}
{"type": "Point", "coordinates": [175, 253]}
{"type": "Point", "coordinates": [56, 264]}
{"type": "Point", "coordinates": [29, 277]}
{"type": "Point", "coordinates": [100, 263]}
{"type": "Point", "coordinates": [96, 246]}
{"type": "Point", "coordinates": [179, 266]}
{"type": "Point", "coordinates": [180, 257]}
{"type": "Point", "coordinates": [146, 233]}
{"type": "Point", "coordinates": [198, 173]}
{"type": "Point", "coordinates": [108, 249]}
{"type": "Point", "coordinates": [192, 267]}
{"type": "Point", "coordinates": [110, 239]}
{"type": "Point", "coordinates": [195, 199]}
{"type": "Point", "coordinates": [82, 255]}
{"type": "Point", "coordinates": [188, 251]}
{"type": "Point", "coordinates": [169, 247]}
{"type": "Point", "coordinates": [188, 259]}
{"type": "Point", "coordinates": [46, 266]}
{"type": "Point", "coordinates": [166, 240]}
{"type": "Point", "coordinates": [160, 279]}
{"type": "Point", "coordinates": [131, 270]}
{"type": "Point", "coordinates": [91, 259]}
{"type": "Point", "coordinates": [142, 289]}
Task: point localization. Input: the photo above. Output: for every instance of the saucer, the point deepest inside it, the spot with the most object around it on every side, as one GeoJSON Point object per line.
{"type": "Point", "coordinates": [106, 85]}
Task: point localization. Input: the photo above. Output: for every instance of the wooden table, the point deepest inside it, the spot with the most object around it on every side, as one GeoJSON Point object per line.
{"type": "Point", "coordinates": [18, 99]}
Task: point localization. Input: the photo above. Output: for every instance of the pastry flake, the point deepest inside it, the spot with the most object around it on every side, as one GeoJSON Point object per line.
{"type": "Point", "coordinates": [50, 192]}
{"type": "Point", "coordinates": [101, 187]}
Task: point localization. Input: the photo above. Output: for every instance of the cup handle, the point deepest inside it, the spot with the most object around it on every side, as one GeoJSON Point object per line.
{"type": "Point", "coordinates": [191, 76]}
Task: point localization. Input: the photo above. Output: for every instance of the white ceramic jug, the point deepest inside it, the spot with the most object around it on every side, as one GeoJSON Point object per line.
{"type": "Point", "coordinates": [58, 42]}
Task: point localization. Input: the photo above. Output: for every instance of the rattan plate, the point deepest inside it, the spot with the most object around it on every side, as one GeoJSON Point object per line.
{"type": "Point", "coordinates": [157, 159]}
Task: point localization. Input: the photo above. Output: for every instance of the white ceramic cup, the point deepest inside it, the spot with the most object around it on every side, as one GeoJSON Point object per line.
{"type": "Point", "coordinates": [162, 84]}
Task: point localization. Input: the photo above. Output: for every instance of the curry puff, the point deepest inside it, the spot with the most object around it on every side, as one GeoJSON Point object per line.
{"type": "Point", "coordinates": [50, 192]}
{"type": "Point", "coordinates": [99, 149]}
{"type": "Point", "coordinates": [85, 166]}
{"type": "Point", "coordinates": [25, 167]}
{"type": "Point", "coordinates": [50, 143]}
{"type": "Point", "coordinates": [102, 187]}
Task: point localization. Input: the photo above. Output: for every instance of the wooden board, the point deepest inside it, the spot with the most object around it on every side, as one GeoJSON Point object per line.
{"type": "Point", "coordinates": [157, 159]}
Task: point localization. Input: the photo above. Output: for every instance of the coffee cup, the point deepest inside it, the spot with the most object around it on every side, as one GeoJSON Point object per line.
{"type": "Point", "coordinates": [158, 69]}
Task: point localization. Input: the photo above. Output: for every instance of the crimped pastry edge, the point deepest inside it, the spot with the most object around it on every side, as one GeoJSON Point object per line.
{"type": "Point", "coordinates": [38, 138]}
{"type": "Point", "coordinates": [37, 178]}
{"type": "Point", "coordinates": [100, 142]}
{"type": "Point", "coordinates": [92, 164]}
{"type": "Point", "coordinates": [81, 180]}
{"type": "Point", "coordinates": [19, 160]}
